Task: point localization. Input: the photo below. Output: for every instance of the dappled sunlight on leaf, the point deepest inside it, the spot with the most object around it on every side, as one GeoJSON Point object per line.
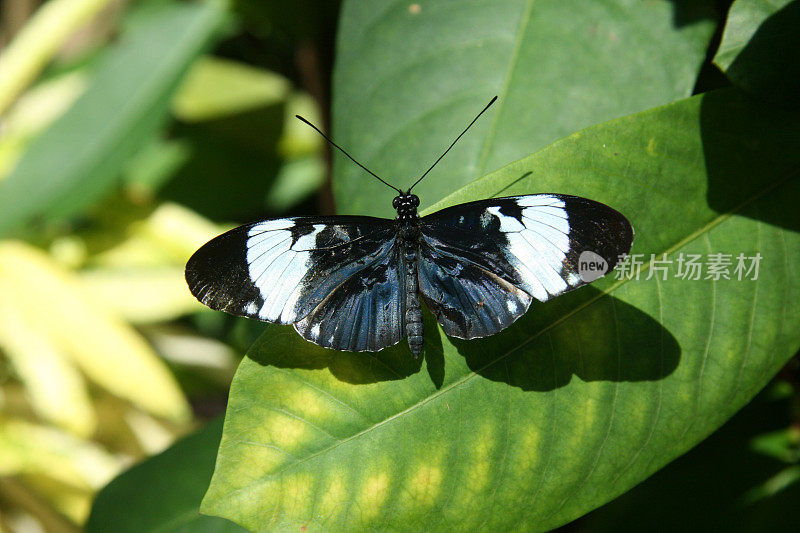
{"type": "Point", "coordinates": [577, 402]}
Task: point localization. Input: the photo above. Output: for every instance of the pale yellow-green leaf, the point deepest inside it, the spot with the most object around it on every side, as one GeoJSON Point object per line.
{"type": "Point", "coordinates": [152, 436]}
{"type": "Point", "coordinates": [295, 181]}
{"type": "Point", "coordinates": [187, 348]}
{"type": "Point", "coordinates": [180, 231]}
{"type": "Point", "coordinates": [297, 139]}
{"type": "Point", "coordinates": [304, 170]}
{"type": "Point", "coordinates": [11, 148]}
{"type": "Point", "coordinates": [34, 111]}
{"type": "Point", "coordinates": [218, 87]}
{"type": "Point", "coordinates": [38, 107]}
{"type": "Point", "coordinates": [38, 41]}
{"type": "Point", "coordinates": [27, 448]}
{"type": "Point", "coordinates": [135, 251]}
{"type": "Point", "coordinates": [25, 510]}
{"type": "Point", "coordinates": [72, 502]}
{"type": "Point", "coordinates": [54, 387]}
{"type": "Point", "coordinates": [69, 251]}
{"type": "Point", "coordinates": [168, 236]}
{"type": "Point", "coordinates": [142, 296]}
{"type": "Point", "coordinates": [104, 347]}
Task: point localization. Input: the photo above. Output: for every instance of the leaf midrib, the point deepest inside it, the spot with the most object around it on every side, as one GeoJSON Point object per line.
{"type": "Point", "coordinates": [512, 63]}
{"type": "Point", "coordinates": [464, 379]}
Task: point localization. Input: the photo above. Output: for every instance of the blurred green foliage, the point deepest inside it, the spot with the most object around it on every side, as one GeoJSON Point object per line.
{"type": "Point", "coordinates": [125, 144]}
{"type": "Point", "coordinates": [132, 132]}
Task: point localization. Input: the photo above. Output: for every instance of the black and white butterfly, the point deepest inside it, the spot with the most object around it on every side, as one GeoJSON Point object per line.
{"type": "Point", "coordinates": [354, 282]}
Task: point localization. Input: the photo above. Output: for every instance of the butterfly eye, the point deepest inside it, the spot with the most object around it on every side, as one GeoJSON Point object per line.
{"type": "Point", "coordinates": [415, 201]}
{"type": "Point", "coordinates": [396, 202]}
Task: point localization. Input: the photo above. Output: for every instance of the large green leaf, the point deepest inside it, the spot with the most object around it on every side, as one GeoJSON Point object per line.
{"type": "Point", "coordinates": [78, 158]}
{"type": "Point", "coordinates": [408, 78]}
{"type": "Point", "coordinates": [583, 397]}
{"type": "Point", "coordinates": [724, 484]}
{"type": "Point", "coordinates": [760, 48]}
{"type": "Point", "coordinates": [162, 494]}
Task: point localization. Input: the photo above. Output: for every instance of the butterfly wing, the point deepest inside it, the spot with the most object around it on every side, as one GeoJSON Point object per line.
{"type": "Point", "coordinates": [481, 263]}
{"type": "Point", "coordinates": [337, 279]}
{"type": "Point", "coordinates": [364, 312]}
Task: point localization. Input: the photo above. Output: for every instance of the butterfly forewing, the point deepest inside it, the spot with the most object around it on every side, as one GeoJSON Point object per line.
{"type": "Point", "coordinates": [281, 270]}
{"type": "Point", "coordinates": [481, 262]}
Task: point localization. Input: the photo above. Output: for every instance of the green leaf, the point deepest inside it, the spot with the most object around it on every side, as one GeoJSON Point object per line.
{"type": "Point", "coordinates": [582, 398]}
{"type": "Point", "coordinates": [711, 488]}
{"type": "Point", "coordinates": [163, 493]}
{"type": "Point", "coordinates": [240, 128]}
{"type": "Point", "coordinates": [234, 119]}
{"type": "Point", "coordinates": [760, 48]}
{"type": "Point", "coordinates": [78, 158]}
{"type": "Point", "coordinates": [408, 79]}
{"type": "Point", "coordinates": [109, 351]}
{"type": "Point", "coordinates": [296, 180]}
{"type": "Point", "coordinates": [218, 87]}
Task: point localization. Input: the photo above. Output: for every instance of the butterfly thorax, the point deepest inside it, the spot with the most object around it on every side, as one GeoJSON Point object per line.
{"type": "Point", "coordinates": [406, 206]}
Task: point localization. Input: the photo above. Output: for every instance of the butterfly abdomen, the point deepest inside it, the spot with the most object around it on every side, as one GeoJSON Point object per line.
{"type": "Point", "coordinates": [413, 314]}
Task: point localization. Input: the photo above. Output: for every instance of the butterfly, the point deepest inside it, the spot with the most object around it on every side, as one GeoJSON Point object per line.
{"type": "Point", "coordinates": [354, 282]}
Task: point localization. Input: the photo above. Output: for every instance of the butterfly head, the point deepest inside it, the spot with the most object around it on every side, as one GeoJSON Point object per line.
{"type": "Point", "coordinates": [406, 205]}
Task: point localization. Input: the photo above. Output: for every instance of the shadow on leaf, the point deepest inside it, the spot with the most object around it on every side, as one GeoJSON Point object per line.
{"type": "Point", "coordinates": [589, 334]}
{"type": "Point", "coordinates": [688, 12]}
{"type": "Point", "coordinates": [601, 338]}
{"type": "Point", "coordinates": [282, 347]}
{"type": "Point", "coordinates": [751, 149]}
{"type": "Point", "coordinates": [768, 64]}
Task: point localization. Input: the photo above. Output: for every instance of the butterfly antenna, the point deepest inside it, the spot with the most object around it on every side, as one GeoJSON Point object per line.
{"type": "Point", "coordinates": [454, 142]}
{"type": "Point", "coordinates": [348, 155]}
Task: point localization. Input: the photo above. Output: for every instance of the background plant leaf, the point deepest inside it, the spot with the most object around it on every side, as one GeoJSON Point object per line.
{"type": "Point", "coordinates": [408, 79]}
{"type": "Point", "coordinates": [36, 449]}
{"type": "Point", "coordinates": [79, 157]}
{"type": "Point", "coordinates": [109, 351]}
{"type": "Point", "coordinates": [760, 48]}
{"type": "Point", "coordinates": [162, 494]}
{"type": "Point", "coordinates": [580, 400]}
{"type": "Point", "coordinates": [246, 150]}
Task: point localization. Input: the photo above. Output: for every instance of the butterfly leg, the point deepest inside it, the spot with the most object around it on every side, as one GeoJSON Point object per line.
{"type": "Point", "coordinates": [413, 315]}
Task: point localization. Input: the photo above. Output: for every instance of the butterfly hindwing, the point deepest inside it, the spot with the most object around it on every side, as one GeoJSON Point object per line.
{"type": "Point", "coordinates": [282, 270]}
{"type": "Point", "coordinates": [482, 262]}
{"type": "Point", "coordinates": [468, 298]}
{"type": "Point", "coordinates": [364, 312]}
